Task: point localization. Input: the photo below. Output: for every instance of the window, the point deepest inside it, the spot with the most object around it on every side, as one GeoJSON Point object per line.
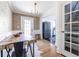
{"type": "Point", "coordinates": [75, 5]}
{"type": "Point", "coordinates": [27, 26]}
{"type": "Point", "coordinates": [67, 8]}
{"type": "Point", "coordinates": [67, 37]}
{"type": "Point", "coordinates": [72, 27]}
{"type": "Point", "coordinates": [67, 18]}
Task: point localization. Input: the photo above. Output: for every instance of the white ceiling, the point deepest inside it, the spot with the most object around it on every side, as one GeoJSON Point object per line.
{"type": "Point", "coordinates": [27, 7]}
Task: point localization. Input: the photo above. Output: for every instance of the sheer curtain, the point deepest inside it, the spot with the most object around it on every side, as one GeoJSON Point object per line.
{"type": "Point", "coordinates": [27, 26]}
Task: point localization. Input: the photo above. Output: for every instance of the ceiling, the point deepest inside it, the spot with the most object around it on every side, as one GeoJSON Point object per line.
{"type": "Point", "coordinates": [27, 7]}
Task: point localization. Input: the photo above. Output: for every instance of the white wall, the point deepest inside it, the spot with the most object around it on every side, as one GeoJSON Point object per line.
{"type": "Point", "coordinates": [5, 17]}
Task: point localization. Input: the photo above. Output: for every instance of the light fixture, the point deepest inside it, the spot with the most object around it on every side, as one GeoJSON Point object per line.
{"type": "Point", "coordinates": [35, 8]}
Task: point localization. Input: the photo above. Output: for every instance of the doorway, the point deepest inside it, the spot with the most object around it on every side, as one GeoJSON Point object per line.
{"type": "Point", "coordinates": [46, 30]}
{"type": "Point", "coordinates": [49, 29]}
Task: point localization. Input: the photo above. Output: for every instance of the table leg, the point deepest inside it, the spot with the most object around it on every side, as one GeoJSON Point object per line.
{"type": "Point", "coordinates": [8, 52]}
{"type": "Point", "coordinates": [1, 53]}
{"type": "Point", "coordinates": [27, 49]}
{"type": "Point", "coordinates": [33, 49]}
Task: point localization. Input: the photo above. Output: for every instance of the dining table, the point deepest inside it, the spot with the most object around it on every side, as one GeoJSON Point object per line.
{"type": "Point", "coordinates": [17, 42]}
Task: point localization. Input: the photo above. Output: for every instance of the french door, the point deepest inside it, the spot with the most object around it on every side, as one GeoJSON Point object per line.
{"type": "Point", "coordinates": [27, 26]}
{"type": "Point", "coordinates": [71, 24]}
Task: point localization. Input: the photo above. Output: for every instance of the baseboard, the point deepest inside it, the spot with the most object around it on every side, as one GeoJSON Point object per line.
{"type": "Point", "coordinates": [61, 53]}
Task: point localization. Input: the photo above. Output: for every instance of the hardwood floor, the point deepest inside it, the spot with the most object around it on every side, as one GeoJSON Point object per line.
{"type": "Point", "coordinates": [47, 49]}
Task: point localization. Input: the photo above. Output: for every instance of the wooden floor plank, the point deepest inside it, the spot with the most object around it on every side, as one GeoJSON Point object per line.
{"type": "Point", "coordinates": [47, 49]}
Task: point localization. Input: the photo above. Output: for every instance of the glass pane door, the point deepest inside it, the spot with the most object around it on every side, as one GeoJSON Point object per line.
{"type": "Point", "coordinates": [27, 27]}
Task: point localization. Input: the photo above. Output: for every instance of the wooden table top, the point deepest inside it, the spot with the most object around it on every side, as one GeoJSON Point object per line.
{"type": "Point", "coordinates": [11, 39]}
